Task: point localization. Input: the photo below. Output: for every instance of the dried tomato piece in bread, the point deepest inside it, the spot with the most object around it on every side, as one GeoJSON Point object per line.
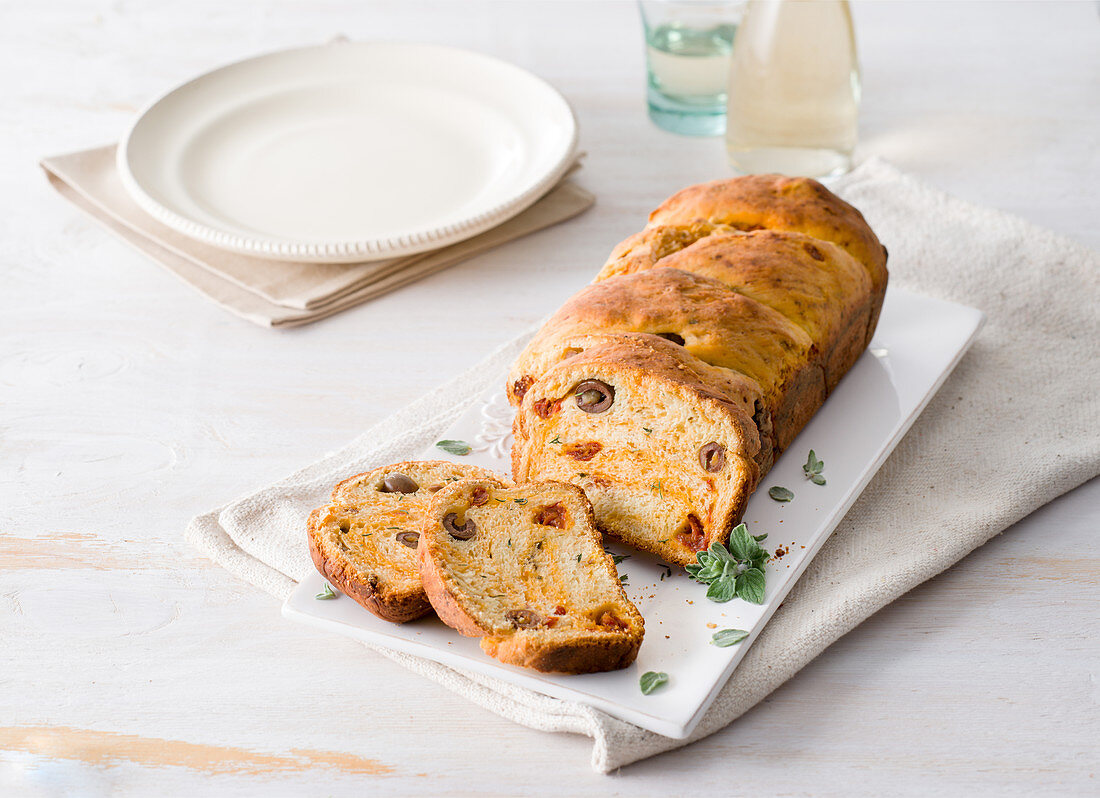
{"type": "Point", "coordinates": [364, 541]}
{"type": "Point", "coordinates": [524, 569]}
{"type": "Point", "coordinates": [666, 455]}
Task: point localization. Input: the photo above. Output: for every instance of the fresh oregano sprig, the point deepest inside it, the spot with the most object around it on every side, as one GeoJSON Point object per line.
{"type": "Point", "coordinates": [733, 572]}
{"type": "Point", "coordinates": [813, 468]}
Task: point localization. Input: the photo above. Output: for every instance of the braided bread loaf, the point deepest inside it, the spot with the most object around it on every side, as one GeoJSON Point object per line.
{"type": "Point", "coordinates": [667, 388]}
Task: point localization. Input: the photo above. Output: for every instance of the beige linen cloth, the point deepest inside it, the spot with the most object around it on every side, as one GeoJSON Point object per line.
{"type": "Point", "coordinates": [1016, 424]}
{"type": "Point", "coordinates": [278, 293]}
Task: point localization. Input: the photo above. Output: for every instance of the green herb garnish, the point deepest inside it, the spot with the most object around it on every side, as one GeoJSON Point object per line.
{"type": "Point", "coordinates": [728, 637]}
{"type": "Point", "coordinates": [812, 469]}
{"type": "Point", "coordinates": [760, 538]}
{"type": "Point", "coordinates": [651, 680]}
{"type": "Point", "coordinates": [734, 572]}
{"type": "Point", "coordinates": [666, 572]}
{"type": "Point", "coordinates": [578, 558]}
{"type": "Point", "coordinates": [780, 494]}
{"type": "Point", "coordinates": [623, 578]}
{"type": "Point", "coordinates": [327, 593]}
{"type": "Point", "coordinates": [647, 430]}
{"type": "Point", "coordinates": [454, 447]}
{"type": "Point", "coordinates": [617, 558]}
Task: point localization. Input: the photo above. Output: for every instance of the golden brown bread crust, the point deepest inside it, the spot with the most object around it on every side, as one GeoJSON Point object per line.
{"type": "Point", "coordinates": [716, 325]}
{"type": "Point", "coordinates": [815, 284]}
{"type": "Point", "coordinates": [645, 479]}
{"type": "Point", "coordinates": [350, 538]}
{"type": "Point", "coordinates": [644, 248]}
{"type": "Point", "coordinates": [583, 641]}
{"type": "Point", "coordinates": [775, 202]}
{"type": "Point", "coordinates": [587, 654]}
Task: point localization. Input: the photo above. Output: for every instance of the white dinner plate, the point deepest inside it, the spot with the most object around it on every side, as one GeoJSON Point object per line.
{"type": "Point", "coordinates": [348, 151]}
{"type": "Point", "coordinates": [918, 342]}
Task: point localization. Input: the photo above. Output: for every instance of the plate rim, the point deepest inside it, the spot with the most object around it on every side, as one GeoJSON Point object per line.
{"type": "Point", "coordinates": [349, 250]}
{"type": "Point", "coordinates": [657, 723]}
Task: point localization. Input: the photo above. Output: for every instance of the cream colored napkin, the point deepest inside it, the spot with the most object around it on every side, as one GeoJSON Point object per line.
{"type": "Point", "coordinates": [278, 293]}
{"type": "Point", "coordinates": [1015, 425]}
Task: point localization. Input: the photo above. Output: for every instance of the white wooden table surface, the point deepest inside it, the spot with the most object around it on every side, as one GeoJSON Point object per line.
{"type": "Point", "coordinates": [130, 665]}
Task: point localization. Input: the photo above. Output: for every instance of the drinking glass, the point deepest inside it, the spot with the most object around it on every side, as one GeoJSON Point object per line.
{"type": "Point", "coordinates": [688, 46]}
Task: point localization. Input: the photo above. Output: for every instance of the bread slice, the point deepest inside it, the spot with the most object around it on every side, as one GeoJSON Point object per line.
{"type": "Point", "coordinates": [667, 458]}
{"type": "Point", "coordinates": [365, 541]}
{"type": "Point", "coordinates": [524, 569]}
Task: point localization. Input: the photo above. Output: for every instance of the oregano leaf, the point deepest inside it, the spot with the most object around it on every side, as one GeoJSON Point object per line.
{"type": "Point", "coordinates": [719, 552]}
{"type": "Point", "coordinates": [741, 544]}
{"type": "Point", "coordinates": [750, 586]}
{"type": "Point", "coordinates": [651, 680]}
{"type": "Point", "coordinates": [728, 637]}
{"type": "Point", "coordinates": [326, 594]}
{"type": "Point", "coordinates": [454, 447]}
{"type": "Point", "coordinates": [780, 494]}
{"type": "Point", "coordinates": [723, 590]}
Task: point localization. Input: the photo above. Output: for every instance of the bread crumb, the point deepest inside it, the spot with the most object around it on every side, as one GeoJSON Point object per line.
{"type": "Point", "coordinates": [712, 626]}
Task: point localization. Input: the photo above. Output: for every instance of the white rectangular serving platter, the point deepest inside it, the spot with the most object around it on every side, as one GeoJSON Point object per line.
{"type": "Point", "coordinates": [918, 342]}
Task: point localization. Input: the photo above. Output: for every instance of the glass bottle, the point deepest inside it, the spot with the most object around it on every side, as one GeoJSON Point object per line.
{"type": "Point", "coordinates": [793, 94]}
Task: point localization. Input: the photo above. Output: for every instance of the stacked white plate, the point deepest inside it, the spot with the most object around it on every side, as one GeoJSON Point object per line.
{"type": "Point", "coordinates": [349, 151]}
